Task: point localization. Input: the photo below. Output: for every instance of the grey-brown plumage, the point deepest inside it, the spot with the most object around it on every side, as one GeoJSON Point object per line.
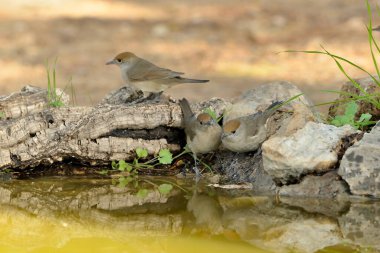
{"type": "Point", "coordinates": [202, 132]}
{"type": "Point", "coordinates": [146, 76]}
{"type": "Point", "coordinates": [246, 133]}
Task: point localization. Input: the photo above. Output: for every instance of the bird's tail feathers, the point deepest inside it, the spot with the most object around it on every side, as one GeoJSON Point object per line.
{"type": "Point", "coordinates": [272, 108]}
{"type": "Point", "coordinates": [188, 80]}
{"type": "Point", "coordinates": [186, 110]}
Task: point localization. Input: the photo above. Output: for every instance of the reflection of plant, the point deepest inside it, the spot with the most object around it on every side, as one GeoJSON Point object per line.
{"type": "Point", "coordinates": [348, 118]}
{"type": "Point", "coordinates": [364, 95]}
{"type": "Point", "coordinates": [130, 172]}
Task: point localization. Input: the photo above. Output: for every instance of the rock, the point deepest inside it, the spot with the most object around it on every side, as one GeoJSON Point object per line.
{"type": "Point", "coordinates": [244, 167]}
{"type": "Point", "coordinates": [308, 235]}
{"type": "Point", "coordinates": [298, 112]}
{"type": "Point", "coordinates": [361, 225]}
{"type": "Point", "coordinates": [312, 149]}
{"type": "Point", "coordinates": [360, 165]}
{"type": "Point", "coordinates": [327, 186]}
{"type": "Point", "coordinates": [369, 86]}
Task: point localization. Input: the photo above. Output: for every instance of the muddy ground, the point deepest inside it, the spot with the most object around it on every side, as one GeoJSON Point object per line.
{"type": "Point", "coordinates": [235, 44]}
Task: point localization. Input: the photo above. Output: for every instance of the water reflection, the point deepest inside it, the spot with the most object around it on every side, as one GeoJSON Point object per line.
{"type": "Point", "coordinates": [63, 214]}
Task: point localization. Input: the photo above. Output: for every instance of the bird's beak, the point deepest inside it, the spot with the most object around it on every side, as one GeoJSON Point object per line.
{"type": "Point", "coordinates": [110, 62]}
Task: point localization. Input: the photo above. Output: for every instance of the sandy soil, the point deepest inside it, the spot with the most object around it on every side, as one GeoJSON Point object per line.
{"type": "Point", "coordinates": [232, 43]}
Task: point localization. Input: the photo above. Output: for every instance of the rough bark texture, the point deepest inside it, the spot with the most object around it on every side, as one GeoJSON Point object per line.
{"type": "Point", "coordinates": [32, 133]}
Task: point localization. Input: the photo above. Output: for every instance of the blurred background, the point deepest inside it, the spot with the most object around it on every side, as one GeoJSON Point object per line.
{"type": "Point", "coordinates": [233, 43]}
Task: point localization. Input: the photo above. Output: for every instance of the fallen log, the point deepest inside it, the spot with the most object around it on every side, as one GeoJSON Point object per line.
{"type": "Point", "coordinates": [34, 133]}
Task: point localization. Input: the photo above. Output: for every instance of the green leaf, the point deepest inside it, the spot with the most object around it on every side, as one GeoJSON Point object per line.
{"type": "Point", "coordinates": [124, 181]}
{"type": "Point", "coordinates": [2, 115]}
{"type": "Point", "coordinates": [128, 167]}
{"type": "Point", "coordinates": [142, 193]}
{"type": "Point", "coordinates": [165, 156]}
{"type": "Point", "coordinates": [122, 165]}
{"type": "Point", "coordinates": [114, 165]}
{"type": "Point", "coordinates": [351, 110]}
{"type": "Point", "coordinates": [141, 152]}
{"type": "Point", "coordinates": [165, 188]}
{"type": "Point", "coordinates": [211, 112]}
{"type": "Point", "coordinates": [103, 172]}
{"type": "Point", "coordinates": [365, 117]}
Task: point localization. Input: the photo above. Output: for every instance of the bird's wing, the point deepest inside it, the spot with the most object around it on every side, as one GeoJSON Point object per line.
{"type": "Point", "coordinates": [145, 70]}
{"type": "Point", "coordinates": [255, 121]}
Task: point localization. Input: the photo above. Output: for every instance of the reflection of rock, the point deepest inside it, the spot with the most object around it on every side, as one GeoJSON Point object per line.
{"type": "Point", "coordinates": [142, 224]}
{"type": "Point", "coordinates": [361, 225]}
{"type": "Point", "coordinates": [307, 235]}
{"type": "Point", "coordinates": [275, 227]}
{"type": "Point", "coordinates": [312, 149]}
{"type": "Point", "coordinates": [360, 165]}
{"type": "Point", "coordinates": [331, 208]}
{"type": "Point", "coordinates": [84, 194]}
{"type": "Point", "coordinates": [328, 185]}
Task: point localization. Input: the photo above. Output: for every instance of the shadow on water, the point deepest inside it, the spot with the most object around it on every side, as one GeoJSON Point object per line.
{"type": "Point", "coordinates": [92, 215]}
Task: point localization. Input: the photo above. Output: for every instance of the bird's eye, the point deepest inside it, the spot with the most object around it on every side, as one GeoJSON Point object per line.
{"type": "Point", "coordinates": [233, 132]}
{"type": "Point", "coordinates": [118, 60]}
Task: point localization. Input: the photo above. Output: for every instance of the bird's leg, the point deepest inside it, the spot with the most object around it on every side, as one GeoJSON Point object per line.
{"type": "Point", "coordinates": [195, 168]}
{"type": "Point", "coordinates": [155, 97]}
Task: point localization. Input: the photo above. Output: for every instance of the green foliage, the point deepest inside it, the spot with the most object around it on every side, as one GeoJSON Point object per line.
{"type": "Point", "coordinates": [142, 193]}
{"type": "Point", "coordinates": [348, 118]}
{"type": "Point", "coordinates": [165, 156]}
{"type": "Point", "coordinates": [141, 152]}
{"type": "Point", "coordinates": [2, 115]}
{"type": "Point", "coordinates": [165, 188]}
{"type": "Point", "coordinates": [212, 113]}
{"type": "Point", "coordinates": [130, 171]}
{"type": "Point", "coordinates": [54, 99]}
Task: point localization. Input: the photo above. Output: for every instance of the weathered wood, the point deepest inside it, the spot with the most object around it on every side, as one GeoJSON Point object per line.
{"type": "Point", "coordinates": [94, 135]}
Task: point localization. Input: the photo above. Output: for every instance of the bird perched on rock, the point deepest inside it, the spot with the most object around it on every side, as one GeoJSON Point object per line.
{"type": "Point", "coordinates": [202, 131]}
{"type": "Point", "coordinates": [246, 133]}
{"type": "Point", "coordinates": [144, 75]}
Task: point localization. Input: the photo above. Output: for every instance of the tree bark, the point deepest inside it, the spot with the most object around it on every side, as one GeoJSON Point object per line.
{"type": "Point", "coordinates": [34, 133]}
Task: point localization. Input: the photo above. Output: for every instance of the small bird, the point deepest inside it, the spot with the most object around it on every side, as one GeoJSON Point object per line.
{"type": "Point", "coordinates": [144, 75]}
{"type": "Point", "coordinates": [246, 133]}
{"type": "Point", "coordinates": [202, 132]}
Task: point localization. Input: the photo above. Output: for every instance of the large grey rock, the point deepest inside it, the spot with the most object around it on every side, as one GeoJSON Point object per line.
{"type": "Point", "coordinates": [360, 165]}
{"type": "Point", "coordinates": [312, 149]}
{"type": "Point", "coordinates": [294, 115]}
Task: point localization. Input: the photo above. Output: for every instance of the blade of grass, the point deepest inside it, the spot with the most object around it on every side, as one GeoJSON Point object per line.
{"type": "Point", "coordinates": [48, 80]}
{"type": "Point", "coordinates": [337, 57]}
{"type": "Point", "coordinates": [371, 40]}
{"type": "Point", "coordinates": [358, 86]}
{"type": "Point", "coordinates": [287, 101]}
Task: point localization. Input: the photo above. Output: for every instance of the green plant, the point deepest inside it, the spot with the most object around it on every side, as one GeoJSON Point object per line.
{"type": "Point", "coordinates": [372, 98]}
{"type": "Point", "coordinates": [54, 99]}
{"type": "Point", "coordinates": [2, 115]}
{"type": "Point", "coordinates": [212, 113]}
{"type": "Point", "coordinates": [130, 172]}
{"type": "Point", "coordinates": [348, 118]}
